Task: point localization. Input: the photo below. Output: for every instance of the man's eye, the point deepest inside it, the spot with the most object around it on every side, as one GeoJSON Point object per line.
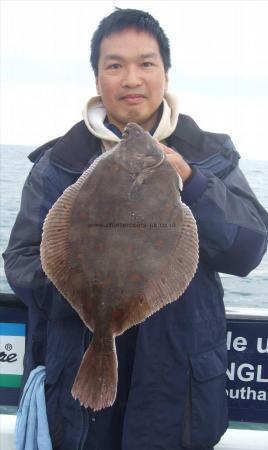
{"type": "Point", "coordinates": [114, 66]}
{"type": "Point", "coordinates": [147, 64]}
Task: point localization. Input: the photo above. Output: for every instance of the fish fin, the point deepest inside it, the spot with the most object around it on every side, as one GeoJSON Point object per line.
{"type": "Point", "coordinates": [95, 385]}
{"type": "Point", "coordinates": [180, 267]}
{"type": "Point", "coordinates": [54, 248]}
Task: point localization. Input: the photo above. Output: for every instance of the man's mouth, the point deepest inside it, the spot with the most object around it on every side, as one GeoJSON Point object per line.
{"type": "Point", "coordinates": [133, 98]}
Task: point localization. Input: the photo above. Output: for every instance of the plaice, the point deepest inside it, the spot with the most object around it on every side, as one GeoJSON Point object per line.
{"type": "Point", "coordinates": [119, 245]}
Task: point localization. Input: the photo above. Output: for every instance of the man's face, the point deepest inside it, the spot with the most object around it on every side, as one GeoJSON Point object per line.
{"type": "Point", "coordinates": [131, 78]}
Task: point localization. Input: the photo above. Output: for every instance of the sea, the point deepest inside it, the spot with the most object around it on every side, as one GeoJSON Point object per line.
{"type": "Point", "coordinates": [250, 291]}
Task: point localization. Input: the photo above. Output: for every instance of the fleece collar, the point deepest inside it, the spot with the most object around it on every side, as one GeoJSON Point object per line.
{"type": "Point", "coordinates": [94, 115]}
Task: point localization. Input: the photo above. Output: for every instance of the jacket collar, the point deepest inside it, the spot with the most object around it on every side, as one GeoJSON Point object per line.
{"type": "Point", "coordinates": [75, 150]}
{"type": "Point", "coordinates": [78, 148]}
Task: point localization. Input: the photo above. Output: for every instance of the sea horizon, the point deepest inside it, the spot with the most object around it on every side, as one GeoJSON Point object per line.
{"type": "Point", "coordinates": [33, 146]}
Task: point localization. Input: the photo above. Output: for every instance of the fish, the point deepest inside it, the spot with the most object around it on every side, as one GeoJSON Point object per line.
{"type": "Point", "coordinates": [119, 245]}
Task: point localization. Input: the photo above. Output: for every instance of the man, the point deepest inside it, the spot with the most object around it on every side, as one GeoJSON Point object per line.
{"type": "Point", "coordinates": [171, 388]}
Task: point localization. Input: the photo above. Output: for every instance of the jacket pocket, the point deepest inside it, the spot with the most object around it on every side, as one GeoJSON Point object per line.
{"type": "Point", "coordinates": [206, 414]}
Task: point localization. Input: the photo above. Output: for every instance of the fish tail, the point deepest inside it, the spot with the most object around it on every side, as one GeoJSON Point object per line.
{"type": "Point", "coordinates": [95, 384]}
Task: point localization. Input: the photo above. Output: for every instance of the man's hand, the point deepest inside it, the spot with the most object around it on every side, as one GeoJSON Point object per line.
{"type": "Point", "coordinates": [177, 161]}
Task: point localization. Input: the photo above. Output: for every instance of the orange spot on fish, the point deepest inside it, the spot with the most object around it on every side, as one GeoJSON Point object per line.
{"type": "Point", "coordinates": [107, 281]}
{"type": "Point", "coordinates": [135, 277]}
{"type": "Point", "coordinates": [83, 215]}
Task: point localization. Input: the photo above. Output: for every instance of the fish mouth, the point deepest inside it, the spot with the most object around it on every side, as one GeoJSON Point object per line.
{"type": "Point", "coordinates": [132, 129]}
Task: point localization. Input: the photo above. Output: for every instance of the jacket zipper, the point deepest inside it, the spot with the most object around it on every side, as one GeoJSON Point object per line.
{"type": "Point", "coordinates": [85, 425]}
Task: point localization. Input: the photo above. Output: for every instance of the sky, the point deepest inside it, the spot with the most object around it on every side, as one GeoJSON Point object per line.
{"type": "Point", "coordinates": [219, 65]}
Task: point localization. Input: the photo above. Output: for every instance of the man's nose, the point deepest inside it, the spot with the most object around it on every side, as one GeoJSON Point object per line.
{"type": "Point", "coordinates": [131, 77]}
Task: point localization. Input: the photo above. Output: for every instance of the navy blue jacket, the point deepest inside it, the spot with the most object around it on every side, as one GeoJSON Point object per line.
{"type": "Point", "coordinates": [171, 389]}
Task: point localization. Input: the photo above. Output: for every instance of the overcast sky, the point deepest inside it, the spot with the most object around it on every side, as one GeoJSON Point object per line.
{"type": "Point", "coordinates": [219, 65]}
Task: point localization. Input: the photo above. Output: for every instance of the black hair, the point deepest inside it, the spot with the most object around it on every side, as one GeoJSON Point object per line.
{"type": "Point", "coordinates": [121, 19]}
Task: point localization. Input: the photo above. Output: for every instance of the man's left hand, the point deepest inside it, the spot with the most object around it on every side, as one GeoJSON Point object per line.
{"type": "Point", "coordinates": [177, 161]}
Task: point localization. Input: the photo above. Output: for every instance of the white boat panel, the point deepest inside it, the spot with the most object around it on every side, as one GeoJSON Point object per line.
{"type": "Point", "coordinates": [235, 439]}
{"type": "Point", "coordinates": [7, 427]}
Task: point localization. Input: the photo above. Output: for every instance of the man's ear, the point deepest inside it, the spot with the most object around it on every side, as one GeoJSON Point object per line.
{"type": "Point", "coordinates": [97, 86]}
{"type": "Point", "coordinates": [166, 82]}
